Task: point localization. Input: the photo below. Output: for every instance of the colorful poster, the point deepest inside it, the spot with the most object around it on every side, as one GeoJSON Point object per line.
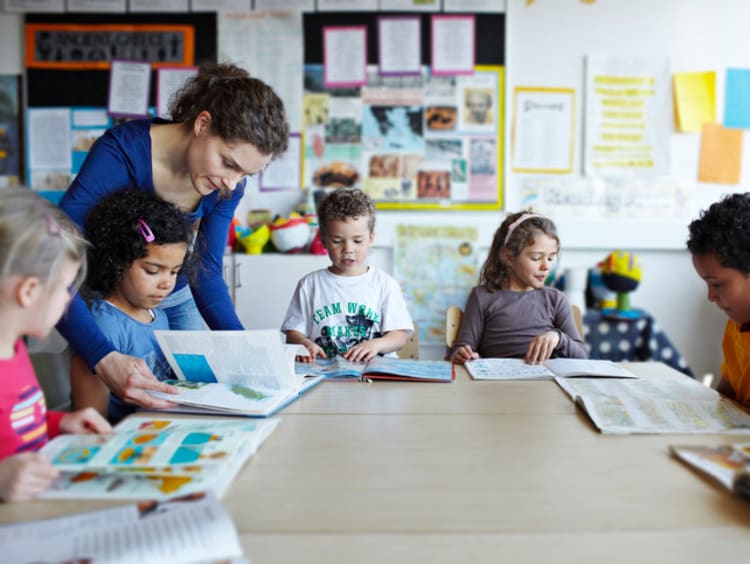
{"type": "Point", "coordinates": [437, 266]}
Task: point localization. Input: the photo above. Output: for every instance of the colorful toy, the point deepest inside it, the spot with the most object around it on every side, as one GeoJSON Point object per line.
{"type": "Point", "coordinates": [621, 273]}
{"type": "Point", "coordinates": [290, 235]}
{"type": "Point", "coordinates": [253, 240]}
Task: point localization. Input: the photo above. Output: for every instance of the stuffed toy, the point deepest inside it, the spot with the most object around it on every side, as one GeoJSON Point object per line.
{"type": "Point", "coordinates": [621, 273]}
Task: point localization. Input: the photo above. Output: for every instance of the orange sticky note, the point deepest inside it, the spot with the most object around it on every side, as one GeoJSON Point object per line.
{"type": "Point", "coordinates": [721, 154]}
{"type": "Point", "coordinates": [694, 99]}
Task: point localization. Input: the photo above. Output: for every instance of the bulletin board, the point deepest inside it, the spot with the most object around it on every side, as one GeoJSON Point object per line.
{"type": "Point", "coordinates": [411, 142]}
{"type": "Point", "coordinates": [67, 60]}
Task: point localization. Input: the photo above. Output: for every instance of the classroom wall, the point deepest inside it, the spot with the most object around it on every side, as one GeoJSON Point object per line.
{"type": "Point", "coordinates": [545, 45]}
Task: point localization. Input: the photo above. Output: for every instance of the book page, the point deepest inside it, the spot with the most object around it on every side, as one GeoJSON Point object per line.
{"type": "Point", "coordinates": [257, 359]}
{"type": "Point", "coordinates": [405, 368]}
{"type": "Point", "coordinates": [192, 529]}
{"type": "Point", "coordinates": [506, 369]}
{"type": "Point", "coordinates": [669, 405]}
{"type": "Point", "coordinates": [567, 367]}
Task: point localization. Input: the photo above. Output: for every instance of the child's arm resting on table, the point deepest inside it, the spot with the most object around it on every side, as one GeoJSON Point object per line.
{"type": "Point", "coordinates": [24, 476]}
{"type": "Point", "coordinates": [297, 338]}
{"type": "Point", "coordinates": [367, 350]}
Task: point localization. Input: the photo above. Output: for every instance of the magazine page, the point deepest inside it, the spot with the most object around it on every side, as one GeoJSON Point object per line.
{"type": "Point", "coordinates": [571, 367]}
{"type": "Point", "coordinates": [409, 369]}
{"type": "Point", "coordinates": [506, 369]}
{"type": "Point", "coordinates": [258, 359]}
{"type": "Point", "coordinates": [720, 462]}
{"type": "Point", "coordinates": [192, 529]}
{"type": "Point", "coordinates": [665, 405]}
{"type": "Point", "coordinates": [149, 444]}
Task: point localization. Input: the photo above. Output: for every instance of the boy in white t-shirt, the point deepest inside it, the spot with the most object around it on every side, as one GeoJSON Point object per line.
{"type": "Point", "coordinates": [350, 308]}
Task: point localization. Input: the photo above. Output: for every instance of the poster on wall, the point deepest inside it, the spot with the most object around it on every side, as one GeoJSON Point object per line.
{"type": "Point", "coordinates": [57, 142]}
{"type": "Point", "coordinates": [412, 141]}
{"type": "Point", "coordinates": [628, 116]}
{"type": "Point", "coordinates": [10, 153]}
{"type": "Point", "coordinates": [436, 266]}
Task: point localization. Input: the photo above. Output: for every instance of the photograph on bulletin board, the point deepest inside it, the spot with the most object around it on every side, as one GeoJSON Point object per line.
{"type": "Point", "coordinates": [410, 142]}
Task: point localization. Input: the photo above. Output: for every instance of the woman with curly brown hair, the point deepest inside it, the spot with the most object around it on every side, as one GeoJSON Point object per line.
{"type": "Point", "coordinates": [225, 126]}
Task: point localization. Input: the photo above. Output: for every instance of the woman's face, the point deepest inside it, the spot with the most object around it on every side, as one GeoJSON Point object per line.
{"type": "Point", "coordinates": [216, 164]}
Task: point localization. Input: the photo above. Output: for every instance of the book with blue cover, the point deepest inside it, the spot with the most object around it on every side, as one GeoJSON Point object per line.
{"type": "Point", "coordinates": [379, 368]}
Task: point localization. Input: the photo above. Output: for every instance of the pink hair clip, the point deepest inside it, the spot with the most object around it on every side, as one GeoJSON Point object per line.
{"type": "Point", "coordinates": [145, 230]}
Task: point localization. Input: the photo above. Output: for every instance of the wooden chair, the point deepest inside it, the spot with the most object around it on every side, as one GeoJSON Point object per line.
{"type": "Point", "coordinates": [411, 348]}
{"type": "Point", "coordinates": [578, 318]}
{"type": "Point", "coordinates": [453, 317]}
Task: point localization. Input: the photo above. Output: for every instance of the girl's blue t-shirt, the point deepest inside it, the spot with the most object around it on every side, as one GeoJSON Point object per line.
{"type": "Point", "coordinates": [121, 158]}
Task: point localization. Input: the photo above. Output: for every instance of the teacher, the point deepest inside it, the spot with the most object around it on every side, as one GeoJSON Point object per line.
{"type": "Point", "coordinates": [225, 126]}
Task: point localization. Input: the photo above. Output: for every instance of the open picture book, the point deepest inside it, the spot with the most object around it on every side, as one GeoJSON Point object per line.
{"type": "Point", "coordinates": [669, 404]}
{"type": "Point", "coordinates": [154, 457]}
{"type": "Point", "coordinates": [518, 369]}
{"type": "Point", "coordinates": [727, 464]}
{"type": "Point", "coordinates": [248, 373]}
{"type": "Point", "coordinates": [379, 368]}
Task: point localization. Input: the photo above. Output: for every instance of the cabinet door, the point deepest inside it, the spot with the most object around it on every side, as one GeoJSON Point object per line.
{"type": "Point", "coordinates": [228, 273]}
{"type": "Point", "coordinates": [264, 284]}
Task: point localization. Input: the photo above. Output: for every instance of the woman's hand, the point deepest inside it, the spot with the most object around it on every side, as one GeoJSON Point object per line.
{"type": "Point", "coordinates": [542, 346]}
{"type": "Point", "coordinates": [129, 377]}
{"type": "Point", "coordinates": [84, 421]}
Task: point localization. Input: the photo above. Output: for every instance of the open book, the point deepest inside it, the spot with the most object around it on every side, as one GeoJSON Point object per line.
{"type": "Point", "coordinates": [190, 529]}
{"type": "Point", "coordinates": [247, 373]}
{"type": "Point", "coordinates": [518, 369]}
{"type": "Point", "coordinates": [666, 404]}
{"type": "Point", "coordinates": [728, 464]}
{"type": "Point", "coordinates": [154, 457]}
{"type": "Point", "coordinates": [379, 368]}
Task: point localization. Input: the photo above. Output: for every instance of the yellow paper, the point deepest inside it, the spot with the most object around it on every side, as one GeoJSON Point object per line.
{"type": "Point", "coordinates": [721, 154]}
{"type": "Point", "coordinates": [695, 99]}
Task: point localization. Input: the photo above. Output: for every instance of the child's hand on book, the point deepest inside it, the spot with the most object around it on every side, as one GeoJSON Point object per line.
{"type": "Point", "coordinates": [24, 476]}
{"type": "Point", "coordinates": [313, 351]}
{"type": "Point", "coordinates": [84, 421]}
{"type": "Point", "coordinates": [541, 347]}
{"type": "Point", "coordinates": [463, 354]}
{"type": "Point", "coordinates": [362, 352]}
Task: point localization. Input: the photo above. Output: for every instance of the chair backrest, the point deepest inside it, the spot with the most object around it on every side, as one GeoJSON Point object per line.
{"type": "Point", "coordinates": [453, 317]}
{"type": "Point", "coordinates": [578, 318]}
{"type": "Point", "coordinates": [411, 348]}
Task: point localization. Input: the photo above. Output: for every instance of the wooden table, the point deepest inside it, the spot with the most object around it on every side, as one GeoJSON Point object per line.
{"type": "Point", "coordinates": [468, 472]}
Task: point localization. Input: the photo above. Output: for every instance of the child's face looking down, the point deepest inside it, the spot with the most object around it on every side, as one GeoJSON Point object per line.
{"type": "Point", "coordinates": [728, 288]}
{"type": "Point", "coordinates": [348, 242]}
{"type": "Point", "coordinates": [150, 279]}
{"type": "Point", "coordinates": [530, 268]}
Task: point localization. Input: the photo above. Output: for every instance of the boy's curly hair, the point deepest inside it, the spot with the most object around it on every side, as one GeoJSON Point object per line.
{"type": "Point", "coordinates": [724, 230]}
{"type": "Point", "coordinates": [116, 236]}
{"type": "Point", "coordinates": [343, 203]}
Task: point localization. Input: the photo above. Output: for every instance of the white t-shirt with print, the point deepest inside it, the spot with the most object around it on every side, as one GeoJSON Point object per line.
{"type": "Point", "coordinates": [337, 312]}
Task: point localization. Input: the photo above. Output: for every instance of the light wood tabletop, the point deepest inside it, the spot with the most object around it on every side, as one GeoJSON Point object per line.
{"type": "Point", "coordinates": [469, 471]}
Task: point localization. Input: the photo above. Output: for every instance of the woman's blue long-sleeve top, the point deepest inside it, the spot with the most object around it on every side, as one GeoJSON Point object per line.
{"type": "Point", "coordinates": [121, 158]}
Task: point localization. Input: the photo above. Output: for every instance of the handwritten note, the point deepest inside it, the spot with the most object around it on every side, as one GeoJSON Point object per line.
{"type": "Point", "coordinates": [695, 99]}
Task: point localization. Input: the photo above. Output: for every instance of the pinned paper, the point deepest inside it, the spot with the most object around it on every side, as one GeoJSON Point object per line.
{"type": "Point", "coordinates": [695, 99]}
{"type": "Point", "coordinates": [736, 95]}
{"type": "Point", "coordinates": [721, 154]}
